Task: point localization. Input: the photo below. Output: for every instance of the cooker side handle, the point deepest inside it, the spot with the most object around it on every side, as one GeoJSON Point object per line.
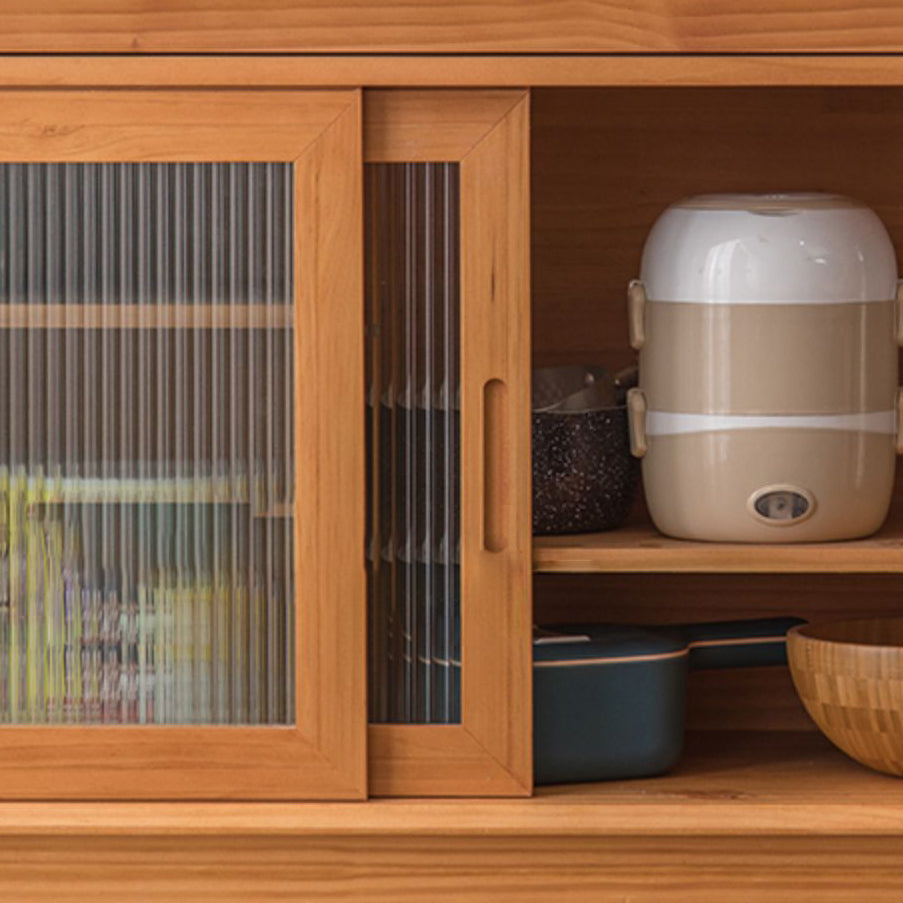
{"type": "Point", "coordinates": [636, 313]}
{"type": "Point", "coordinates": [636, 415]}
{"type": "Point", "coordinates": [900, 312]}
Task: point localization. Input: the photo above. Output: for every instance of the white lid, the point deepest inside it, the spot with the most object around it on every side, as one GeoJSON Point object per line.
{"type": "Point", "coordinates": [769, 249]}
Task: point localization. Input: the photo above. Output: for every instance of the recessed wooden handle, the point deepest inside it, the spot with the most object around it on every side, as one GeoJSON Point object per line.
{"type": "Point", "coordinates": [636, 313]}
{"type": "Point", "coordinates": [495, 474]}
{"type": "Point", "coordinates": [636, 414]}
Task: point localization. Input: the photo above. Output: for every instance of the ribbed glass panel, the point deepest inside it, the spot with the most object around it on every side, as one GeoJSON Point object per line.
{"type": "Point", "coordinates": [413, 312]}
{"type": "Point", "coordinates": [146, 450]}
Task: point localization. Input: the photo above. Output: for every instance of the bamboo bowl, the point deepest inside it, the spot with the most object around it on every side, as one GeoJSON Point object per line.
{"type": "Point", "coordinates": [849, 676]}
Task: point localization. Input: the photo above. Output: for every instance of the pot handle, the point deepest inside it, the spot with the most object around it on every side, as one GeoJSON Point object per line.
{"type": "Point", "coordinates": [738, 644]}
{"type": "Point", "coordinates": [636, 415]}
{"type": "Point", "coordinates": [636, 313]}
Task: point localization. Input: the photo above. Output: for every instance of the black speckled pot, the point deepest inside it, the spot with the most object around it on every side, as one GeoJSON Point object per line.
{"type": "Point", "coordinates": [584, 477]}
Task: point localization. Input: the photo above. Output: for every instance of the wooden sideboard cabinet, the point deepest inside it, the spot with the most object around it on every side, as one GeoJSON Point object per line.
{"type": "Point", "coordinates": [272, 281]}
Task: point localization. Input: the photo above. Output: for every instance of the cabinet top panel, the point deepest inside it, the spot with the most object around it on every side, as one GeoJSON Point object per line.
{"type": "Point", "coordinates": [448, 26]}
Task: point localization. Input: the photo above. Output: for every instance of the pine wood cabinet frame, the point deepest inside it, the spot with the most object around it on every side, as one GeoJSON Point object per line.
{"type": "Point", "coordinates": [447, 26]}
{"type": "Point", "coordinates": [486, 133]}
{"type": "Point", "coordinates": [459, 71]}
{"type": "Point", "coordinates": [756, 829]}
{"type": "Point", "coordinates": [323, 755]}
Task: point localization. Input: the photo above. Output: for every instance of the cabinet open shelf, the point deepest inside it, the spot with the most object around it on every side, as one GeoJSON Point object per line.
{"type": "Point", "coordinates": [639, 548]}
{"type": "Point", "coordinates": [146, 316]}
{"type": "Point", "coordinates": [741, 782]}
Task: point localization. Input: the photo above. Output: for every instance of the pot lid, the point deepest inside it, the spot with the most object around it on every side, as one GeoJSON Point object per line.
{"type": "Point", "coordinates": [603, 644]}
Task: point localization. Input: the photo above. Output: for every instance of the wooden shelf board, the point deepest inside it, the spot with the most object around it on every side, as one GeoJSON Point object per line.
{"type": "Point", "coordinates": [639, 547]}
{"type": "Point", "coordinates": [729, 784]}
{"type": "Point", "coordinates": [146, 316]}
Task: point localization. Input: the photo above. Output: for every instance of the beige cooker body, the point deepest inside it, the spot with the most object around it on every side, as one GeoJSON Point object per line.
{"type": "Point", "coordinates": [768, 331]}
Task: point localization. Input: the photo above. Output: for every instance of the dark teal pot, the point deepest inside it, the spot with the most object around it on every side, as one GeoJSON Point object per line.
{"type": "Point", "coordinates": [609, 701]}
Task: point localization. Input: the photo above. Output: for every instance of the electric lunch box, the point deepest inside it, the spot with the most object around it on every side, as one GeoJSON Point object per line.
{"type": "Point", "coordinates": [608, 701]}
{"type": "Point", "coordinates": [767, 406]}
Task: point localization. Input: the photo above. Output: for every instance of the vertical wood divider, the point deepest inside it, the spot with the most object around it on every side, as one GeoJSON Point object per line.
{"type": "Point", "coordinates": [495, 349]}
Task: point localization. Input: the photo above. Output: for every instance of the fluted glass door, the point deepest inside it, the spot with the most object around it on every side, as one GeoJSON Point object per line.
{"type": "Point", "coordinates": [181, 449]}
{"type": "Point", "coordinates": [146, 474]}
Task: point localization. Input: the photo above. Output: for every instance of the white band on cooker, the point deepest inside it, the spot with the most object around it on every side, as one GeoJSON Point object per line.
{"type": "Point", "coordinates": [670, 423]}
{"type": "Point", "coordinates": [768, 302]}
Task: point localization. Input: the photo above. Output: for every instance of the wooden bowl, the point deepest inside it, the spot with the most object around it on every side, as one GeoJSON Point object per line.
{"type": "Point", "coordinates": [849, 675]}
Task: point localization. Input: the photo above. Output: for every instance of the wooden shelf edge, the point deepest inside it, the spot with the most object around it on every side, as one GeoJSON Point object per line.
{"type": "Point", "coordinates": [730, 784]}
{"type": "Point", "coordinates": [454, 70]}
{"type": "Point", "coordinates": [641, 549]}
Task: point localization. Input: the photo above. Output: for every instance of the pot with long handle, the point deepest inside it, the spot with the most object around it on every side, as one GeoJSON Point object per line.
{"type": "Point", "coordinates": [609, 700]}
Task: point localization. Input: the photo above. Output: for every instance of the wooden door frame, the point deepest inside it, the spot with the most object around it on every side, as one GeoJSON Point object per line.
{"type": "Point", "coordinates": [489, 752]}
{"type": "Point", "coordinates": [323, 755]}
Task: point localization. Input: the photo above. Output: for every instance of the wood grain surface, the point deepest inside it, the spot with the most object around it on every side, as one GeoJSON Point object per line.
{"type": "Point", "coordinates": [496, 578]}
{"type": "Point", "coordinates": [458, 70]}
{"type": "Point", "coordinates": [744, 817]}
{"type": "Point", "coordinates": [330, 621]}
{"type": "Point", "coordinates": [413, 126]}
{"type": "Point", "coordinates": [440, 760]}
{"type": "Point", "coordinates": [510, 26]}
{"type": "Point", "coordinates": [163, 126]}
{"type": "Point", "coordinates": [640, 548]}
{"type": "Point", "coordinates": [730, 783]}
{"type": "Point", "coordinates": [713, 869]}
{"type": "Point", "coordinates": [682, 598]}
{"type": "Point", "coordinates": [503, 870]}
